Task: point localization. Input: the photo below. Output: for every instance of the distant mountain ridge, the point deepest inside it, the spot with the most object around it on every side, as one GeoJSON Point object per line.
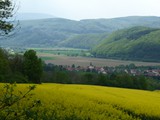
{"type": "Point", "coordinates": [70, 33]}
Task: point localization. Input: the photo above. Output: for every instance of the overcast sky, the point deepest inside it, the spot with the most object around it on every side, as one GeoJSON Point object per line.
{"type": "Point", "coordinates": [91, 9]}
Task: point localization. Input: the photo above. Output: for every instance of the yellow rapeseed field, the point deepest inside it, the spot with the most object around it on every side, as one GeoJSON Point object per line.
{"type": "Point", "coordinates": [85, 102]}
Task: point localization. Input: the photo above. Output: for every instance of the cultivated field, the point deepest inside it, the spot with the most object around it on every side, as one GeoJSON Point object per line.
{"type": "Point", "coordinates": [83, 102]}
{"type": "Point", "coordinates": [85, 61]}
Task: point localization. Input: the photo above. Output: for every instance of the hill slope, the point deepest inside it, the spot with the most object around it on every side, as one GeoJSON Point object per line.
{"type": "Point", "coordinates": [84, 41]}
{"type": "Point", "coordinates": [68, 33]}
{"type": "Point", "coordinates": [82, 102]}
{"type": "Point", "coordinates": [137, 43]}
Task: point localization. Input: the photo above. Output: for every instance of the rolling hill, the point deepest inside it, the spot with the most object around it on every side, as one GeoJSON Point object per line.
{"type": "Point", "coordinates": [84, 102]}
{"type": "Point", "coordinates": [84, 41]}
{"type": "Point", "coordinates": [137, 43]}
{"type": "Point", "coordinates": [69, 33]}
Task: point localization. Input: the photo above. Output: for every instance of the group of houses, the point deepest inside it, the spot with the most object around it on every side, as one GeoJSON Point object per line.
{"type": "Point", "coordinates": [89, 68]}
{"type": "Point", "coordinates": [108, 70]}
{"type": "Point", "coordinates": [150, 73]}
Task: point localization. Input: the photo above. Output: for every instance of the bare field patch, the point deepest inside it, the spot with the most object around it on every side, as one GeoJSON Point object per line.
{"type": "Point", "coordinates": [85, 61]}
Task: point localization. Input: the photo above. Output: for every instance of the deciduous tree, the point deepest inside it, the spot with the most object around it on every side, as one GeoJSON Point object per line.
{"type": "Point", "coordinates": [32, 66]}
{"type": "Point", "coordinates": [6, 12]}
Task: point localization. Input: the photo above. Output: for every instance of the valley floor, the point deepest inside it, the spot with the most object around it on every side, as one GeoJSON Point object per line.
{"type": "Point", "coordinates": [85, 61]}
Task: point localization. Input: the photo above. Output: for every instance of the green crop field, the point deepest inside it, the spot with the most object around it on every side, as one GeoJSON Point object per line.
{"type": "Point", "coordinates": [84, 102]}
{"type": "Point", "coordinates": [63, 51]}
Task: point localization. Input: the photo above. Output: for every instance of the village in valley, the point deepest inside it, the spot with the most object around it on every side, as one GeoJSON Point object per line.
{"type": "Point", "coordinates": [149, 71]}
{"type": "Point", "coordinates": [131, 69]}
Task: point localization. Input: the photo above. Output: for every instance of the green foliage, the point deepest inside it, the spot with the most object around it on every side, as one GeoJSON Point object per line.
{"type": "Point", "coordinates": [4, 65]}
{"type": "Point", "coordinates": [137, 43]}
{"type": "Point", "coordinates": [55, 74]}
{"type": "Point", "coordinates": [20, 68]}
{"type": "Point", "coordinates": [6, 9]}
{"type": "Point", "coordinates": [16, 63]}
{"type": "Point", "coordinates": [84, 41]}
{"type": "Point", "coordinates": [32, 66]}
{"type": "Point", "coordinates": [17, 105]}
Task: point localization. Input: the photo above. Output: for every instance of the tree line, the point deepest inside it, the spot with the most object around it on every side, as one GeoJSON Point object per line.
{"type": "Point", "coordinates": [58, 74]}
{"type": "Point", "coordinates": [20, 68]}
{"type": "Point", "coordinates": [28, 68]}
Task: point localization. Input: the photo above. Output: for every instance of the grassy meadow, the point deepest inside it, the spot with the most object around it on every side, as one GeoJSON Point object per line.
{"type": "Point", "coordinates": [64, 51]}
{"type": "Point", "coordinates": [84, 102]}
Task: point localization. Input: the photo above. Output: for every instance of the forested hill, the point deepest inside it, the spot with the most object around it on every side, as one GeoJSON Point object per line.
{"type": "Point", "coordinates": [137, 43]}
{"type": "Point", "coordinates": [69, 33]}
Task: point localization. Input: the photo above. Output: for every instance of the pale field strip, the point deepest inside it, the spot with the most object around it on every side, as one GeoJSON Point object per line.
{"type": "Point", "coordinates": [84, 61]}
